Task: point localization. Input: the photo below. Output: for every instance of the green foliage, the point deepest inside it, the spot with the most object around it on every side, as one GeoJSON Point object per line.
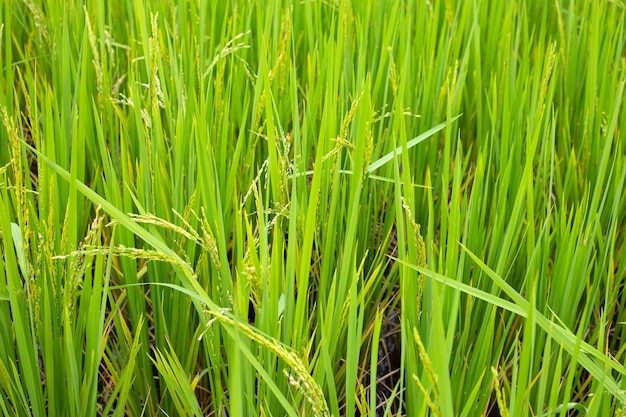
{"type": "Point", "coordinates": [215, 208]}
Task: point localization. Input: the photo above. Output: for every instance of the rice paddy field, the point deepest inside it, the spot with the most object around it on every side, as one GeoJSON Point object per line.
{"type": "Point", "coordinates": [313, 208]}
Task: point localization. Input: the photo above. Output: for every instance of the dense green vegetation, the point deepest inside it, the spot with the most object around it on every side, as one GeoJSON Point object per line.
{"type": "Point", "coordinates": [200, 204]}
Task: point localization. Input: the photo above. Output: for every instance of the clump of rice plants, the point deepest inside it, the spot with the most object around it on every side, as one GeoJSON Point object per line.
{"type": "Point", "coordinates": [328, 208]}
